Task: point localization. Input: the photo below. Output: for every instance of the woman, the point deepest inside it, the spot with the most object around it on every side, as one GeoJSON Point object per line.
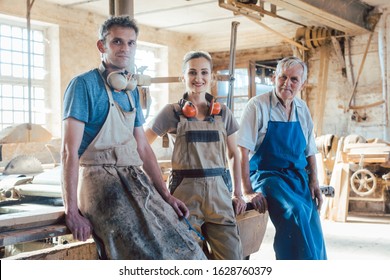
{"type": "Point", "coordinates": [201, 130]}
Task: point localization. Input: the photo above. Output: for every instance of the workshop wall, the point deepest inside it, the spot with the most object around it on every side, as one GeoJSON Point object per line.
{"type": "Point", "coordinates": [331, 112]}
{"type": "Point", "coordinates": [77, 35]}
{"type": "Point", "coordinates": [331, 81]}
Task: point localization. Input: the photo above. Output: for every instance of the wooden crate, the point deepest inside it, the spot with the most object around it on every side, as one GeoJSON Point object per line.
{"type": "Point", "coordinates": [252, 226]}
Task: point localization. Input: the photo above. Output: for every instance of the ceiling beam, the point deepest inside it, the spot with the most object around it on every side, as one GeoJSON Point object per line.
{"type": "Point", "coordinates": [348, 16]}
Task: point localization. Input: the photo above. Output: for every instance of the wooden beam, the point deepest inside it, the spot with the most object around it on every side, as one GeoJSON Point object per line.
{"type": "Point", "coordinates": [31, 219]}
{"type": "Point", "coordinates": [71, 251]}
{"type": "Point", "coordinates": [337, 49]}
{"type": "Point", "coordinates": [323, 85]}
{"type": "Point", "coordinates": [285, 38]}
{"type": "Point", "coordinates": [32, 234]}
{"type": "Point", "coordinates": [221, 59]}
{"type": "Point", "coordinates": [158, 80]}
{"type": "Point", "coordinates": [368, 159]}
{"type": "Point", "coordinates": [161, 80]}
{"type": "Point", "coordinates": [363, 146]}
{"type": "Point", "coordinates": [255, 17]}
{"type": "Point", "coordinates": [347, 16]}
{"type": "Point", "coordinates": [32, 225]}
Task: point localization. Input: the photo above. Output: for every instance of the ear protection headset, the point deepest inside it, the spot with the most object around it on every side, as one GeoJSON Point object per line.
{"type": "Point", "coordinates": [189, 110]}
{"type": "Point", "coordinates": [123, 80]}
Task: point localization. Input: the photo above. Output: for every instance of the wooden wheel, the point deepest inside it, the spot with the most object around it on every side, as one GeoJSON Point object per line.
{"type": "Point", "coordinates": [363, 182]}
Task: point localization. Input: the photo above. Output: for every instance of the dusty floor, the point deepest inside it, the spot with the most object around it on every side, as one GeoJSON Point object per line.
{"type": "Point", "coordinates": [360, 238]}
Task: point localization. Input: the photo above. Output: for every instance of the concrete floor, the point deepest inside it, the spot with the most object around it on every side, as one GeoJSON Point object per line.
{"type": "Point", "coordinates": [360, 238]}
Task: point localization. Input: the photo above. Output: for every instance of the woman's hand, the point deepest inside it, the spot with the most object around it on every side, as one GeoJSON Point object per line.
{"type": "Point", "coordinates": [239, 204]}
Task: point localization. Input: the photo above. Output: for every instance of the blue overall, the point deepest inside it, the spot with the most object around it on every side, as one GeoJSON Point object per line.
{"type": "Point", "coordinates": [278, 171]}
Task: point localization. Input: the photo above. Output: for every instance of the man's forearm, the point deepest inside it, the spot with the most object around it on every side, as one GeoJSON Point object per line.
{"type": "Point", "coordinates": [69, 185]}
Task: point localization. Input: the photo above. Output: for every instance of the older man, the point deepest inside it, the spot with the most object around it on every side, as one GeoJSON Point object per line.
{"type": "Point", "coordinates": [278, 163]}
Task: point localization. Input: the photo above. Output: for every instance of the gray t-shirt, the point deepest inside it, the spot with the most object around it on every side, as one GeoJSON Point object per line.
{"type": "Point", "coordinates": [166, 121]}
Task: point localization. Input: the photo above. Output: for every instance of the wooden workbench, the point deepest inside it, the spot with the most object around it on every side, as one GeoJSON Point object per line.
{"type": "Point", "coordinates": [31, 224]}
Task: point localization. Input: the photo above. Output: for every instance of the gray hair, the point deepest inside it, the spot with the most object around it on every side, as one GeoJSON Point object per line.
{"type": "Point", "coordinates": [289, 62]}
{"type": "Point", "coordinates": [196, 54]}
{"type": "Point", "coordinates": [123, 21]}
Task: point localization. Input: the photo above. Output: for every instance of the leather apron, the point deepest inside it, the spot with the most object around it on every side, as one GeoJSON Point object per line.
{"type": "Point", "coordinates": [278, 171]}
{"type": "Point", "coordinates": [200, 179]}
{"type": "Point", "coordinates": [129, 217]}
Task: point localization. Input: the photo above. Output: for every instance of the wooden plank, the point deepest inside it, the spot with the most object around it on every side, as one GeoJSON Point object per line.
{"type": "Point", "coordinates": [72, 251]}
{"type": "Point", "coordinates": [256, 18]}
{"type": "Point", "coordinates": [346, 20]}
{"type": "Point", "coordinates": [53, 191]}
{"type": "Point", "coordinates": [30, 219]}
{"type": "Point", "coordinates": [158, 80]}
{"type": "Point", "coordinates": [348, 147]}
{"type": "Point", "coordinates": [162, 80]}
{"type": "Point", "coordinates": [368, 157]}
{"type": "Point", "coordinates": [338, 51]}
{"type": "Point", "coordinates": [341, 210]}
{"type": "Point", "coordinates": [368, 160]}
{"type": "Point", "coordinates": [323, 85]}
{"type": "Point", "coordinates": [369, 151]}
{"type": "Point", "coordinates": [363, 145]}
{"type": "Point", "coordinates": [32, 234]}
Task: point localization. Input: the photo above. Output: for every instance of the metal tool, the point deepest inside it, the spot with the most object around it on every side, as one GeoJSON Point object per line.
{"type": "Point", "coordinates": [328, 191]}
{"type": "Point", "coordinates": [232, 64]}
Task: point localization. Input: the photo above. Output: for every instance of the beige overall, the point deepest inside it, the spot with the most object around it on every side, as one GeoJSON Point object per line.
{"type": "Point", "coordinates": [129, 217]}
{"type": "Point", "coordinates": [199, 171]}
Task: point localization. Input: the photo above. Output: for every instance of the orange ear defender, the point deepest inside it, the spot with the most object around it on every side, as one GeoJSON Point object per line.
{"type": "Point", "coordinates": [215, 108]}
{"type": "Point", "coordinates": [189, 110]}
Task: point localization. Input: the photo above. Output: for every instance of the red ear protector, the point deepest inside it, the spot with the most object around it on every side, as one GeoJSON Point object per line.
{"type": "Point", "coordinates": [215, 107]}
{"type": "Point", "coordinates": [190, 111]}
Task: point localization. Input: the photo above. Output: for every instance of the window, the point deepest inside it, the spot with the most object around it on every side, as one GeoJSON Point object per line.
{"type": "Point", "coordinates": [149, 60]}
{"type": "Point", "coordinates": [248, 82]}
{"type": "Point", "coordinates": [263, 78]}
{"type": "Point", "coordinates": [240, 90]}
{"type": "Point", "coordinates": [17, 103]}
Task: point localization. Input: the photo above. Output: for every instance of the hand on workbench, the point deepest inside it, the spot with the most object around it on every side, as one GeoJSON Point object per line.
{"type": "Point", "coordinates": [178, 205]}
{"type": "Point", "coordinates": [239, 205]}
{"type": "Point", "coordinates": [258, 201]}
{"type": "Point", "coordinates": [80, 226]}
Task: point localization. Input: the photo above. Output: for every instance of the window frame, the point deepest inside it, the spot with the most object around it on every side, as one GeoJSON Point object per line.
{"type": "Point", "coordinates": [22, 82]}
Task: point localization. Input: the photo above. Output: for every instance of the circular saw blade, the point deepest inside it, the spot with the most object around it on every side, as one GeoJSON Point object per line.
{"type": "Point", "coordinates": [23, 164]}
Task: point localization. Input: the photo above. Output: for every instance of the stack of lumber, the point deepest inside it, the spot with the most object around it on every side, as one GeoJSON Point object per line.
{"type": "Point", "coordinates": [367, 152]}
{"type": "Point", "coordinates": [32, 224]}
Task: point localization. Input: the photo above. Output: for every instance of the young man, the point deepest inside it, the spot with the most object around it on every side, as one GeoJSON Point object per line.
{"type": "Point", "coordinates": [106, 193]}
